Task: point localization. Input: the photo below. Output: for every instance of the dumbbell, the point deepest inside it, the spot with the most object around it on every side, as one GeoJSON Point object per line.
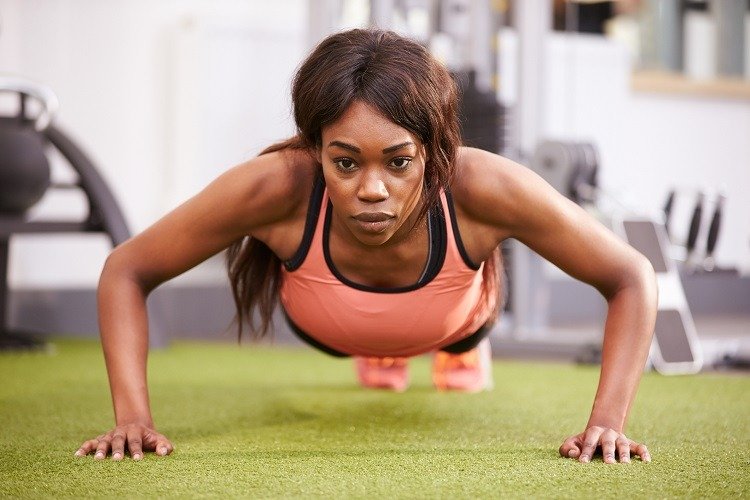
{"type": "Point", "coordinates": [692, 258]}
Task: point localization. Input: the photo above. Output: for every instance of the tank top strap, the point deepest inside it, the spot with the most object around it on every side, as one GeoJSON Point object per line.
{"type": "Point", "coordinates": [454, 236]}
{"type": "Point", "coordinates": [313, 223]}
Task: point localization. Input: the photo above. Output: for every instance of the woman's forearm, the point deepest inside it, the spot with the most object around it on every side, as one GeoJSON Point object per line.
{"type": "Point", "coordinates": [123, 323]}
{"type": "Point", "coordinates": [627, 339]}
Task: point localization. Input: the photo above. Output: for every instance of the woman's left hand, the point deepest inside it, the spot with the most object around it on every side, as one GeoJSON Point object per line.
{"type": "Point", "coordinates": [613, 445]}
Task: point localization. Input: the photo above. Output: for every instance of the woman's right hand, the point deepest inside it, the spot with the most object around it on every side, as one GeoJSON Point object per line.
{"type": "Point", "coordinates": [136, 438]}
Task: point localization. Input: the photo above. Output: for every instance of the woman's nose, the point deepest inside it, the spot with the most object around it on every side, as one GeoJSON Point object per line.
{"type": "Point", "coordinates": [372, 189]}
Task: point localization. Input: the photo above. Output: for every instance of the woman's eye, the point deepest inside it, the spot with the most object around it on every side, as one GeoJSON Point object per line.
{"type": "Point", "coordinates": [400, 163]}
{"type": "Point", "coordinates": [345, 164]}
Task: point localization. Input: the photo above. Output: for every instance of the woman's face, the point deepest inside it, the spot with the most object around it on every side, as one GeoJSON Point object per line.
{"type": "Point", "coordinates": [374, 172]}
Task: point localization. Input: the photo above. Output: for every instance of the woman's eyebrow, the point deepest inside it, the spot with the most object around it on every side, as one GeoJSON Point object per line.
{"type": "Point", "coordinates": [344, 146]}
{"type": "Point", "coordinates": [396, 147]}
{"type": "Point", "coordinates": [355, 149]}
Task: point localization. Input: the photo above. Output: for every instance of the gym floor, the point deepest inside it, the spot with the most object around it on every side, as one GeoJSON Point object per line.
{"type": "Point", "coordinates": [286, 421]}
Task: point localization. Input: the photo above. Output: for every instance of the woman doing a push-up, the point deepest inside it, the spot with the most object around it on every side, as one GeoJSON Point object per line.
{"type": "Point", "coordinates": [378, 233]}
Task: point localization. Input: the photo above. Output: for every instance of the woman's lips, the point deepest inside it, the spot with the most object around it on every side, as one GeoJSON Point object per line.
{"type": "Point", "coordinates": [374, 222]}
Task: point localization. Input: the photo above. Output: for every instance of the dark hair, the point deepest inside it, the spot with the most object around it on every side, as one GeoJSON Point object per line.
{"type": "Point", "coordinates": [393, 74]}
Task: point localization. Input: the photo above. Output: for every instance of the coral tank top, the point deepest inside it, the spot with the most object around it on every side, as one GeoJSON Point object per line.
{"type": "Point", "coordinates": [444, 306]}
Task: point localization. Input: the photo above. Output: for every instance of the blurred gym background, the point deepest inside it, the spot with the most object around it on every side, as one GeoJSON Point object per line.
{"type": "Point", "coordinates": [637, 110]}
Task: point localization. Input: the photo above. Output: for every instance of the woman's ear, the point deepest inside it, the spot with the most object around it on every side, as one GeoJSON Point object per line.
{"type": "Point", "coordinates": [318, 155]}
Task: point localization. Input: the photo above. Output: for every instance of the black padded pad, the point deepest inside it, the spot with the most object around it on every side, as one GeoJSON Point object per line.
{"type": "Point", "coordinates": [642, 236]}
{"type": "Point", "coordinates": [672, 337]}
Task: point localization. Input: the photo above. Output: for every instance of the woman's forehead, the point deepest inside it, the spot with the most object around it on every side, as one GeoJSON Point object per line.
{"type": "Point", "coordinates": [362, 124]}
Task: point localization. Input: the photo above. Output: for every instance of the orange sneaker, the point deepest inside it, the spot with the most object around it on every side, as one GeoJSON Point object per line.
{"type": "Point", "coordinates": [470, 371]}
{"type": "Point", "coordinates": [383, 373]}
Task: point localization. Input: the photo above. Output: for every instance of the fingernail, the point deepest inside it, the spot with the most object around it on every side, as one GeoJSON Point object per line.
{"type": "Point", "coordinates": [99, 455]}
{"type": "Point", "coordinates": [117, 456]}
{"type": "Point", "coordinates": [137, 456]}
{"type": "Point", "coordinates": [584, 458]}
{"type": "Point", "coordinates": [571, 453]}
{"type": "Point", "coordinates": [626, 460]}
{"type": "Point", "coordinates": [163, 450]}
{"type": "Point", "coordinates": [79, 453]}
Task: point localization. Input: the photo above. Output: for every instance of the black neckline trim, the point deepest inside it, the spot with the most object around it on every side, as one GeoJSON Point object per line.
{"type": "Point", "coordinates": [457, 234]}
{"type": "Point", "coordinates": [438, 245]}
{"type": "Point", "coordinates": [311, 221]}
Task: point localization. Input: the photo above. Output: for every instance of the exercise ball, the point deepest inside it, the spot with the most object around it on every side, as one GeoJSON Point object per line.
{"type": "Point", "coordinates": [24, 169]}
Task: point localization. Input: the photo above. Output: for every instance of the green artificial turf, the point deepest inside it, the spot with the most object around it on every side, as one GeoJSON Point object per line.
{"type": "Point", "coordinates": [280, 422]}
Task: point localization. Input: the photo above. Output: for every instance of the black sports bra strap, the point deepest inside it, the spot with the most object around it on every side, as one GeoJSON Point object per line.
{"type": "Point", "coordinates": [457, 234]}
{"type": "Point", "coordinates": [311, 221]}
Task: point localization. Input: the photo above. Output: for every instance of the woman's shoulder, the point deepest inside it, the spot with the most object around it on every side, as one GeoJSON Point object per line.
{"type": "Point", "coordinates": [488, 187]}
{"type": "Point", "coordinates": [277, 183]}
{"type": "Point", "coordinates": [285, 171]}
{"type": "Point", "coordinates": [273, 191]}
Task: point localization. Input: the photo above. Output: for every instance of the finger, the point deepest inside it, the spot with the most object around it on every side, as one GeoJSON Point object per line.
{"type": "Point", "coordinates": [570, 448]}
{"type": "Point", "coordinates": [623, 449]}
{"type": "Point", "coordinates": [134, 445]}
{"type": "Point", "coordinates": [118, 446]}
{"type": "Point", "coordinates": [149, 439]}
{"type": "Point", "coordinates": [590, 440]}
{"type": "Point", "coordinates": [163, 447]}
{"type": "Point", "coordinates": [608, 446]}
{"type": "Point", "coordinates": [641, 451]}
{"type": "Point", "coordinates": [102, 448]}
{"type": "Point", "coordinates": [87, 447]}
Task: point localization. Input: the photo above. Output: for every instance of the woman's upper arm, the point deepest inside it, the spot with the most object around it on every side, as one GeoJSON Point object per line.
{"type": "Point", "coordinates": [242, 201]}
{"type": "Point", "coordinates": [519, 204]}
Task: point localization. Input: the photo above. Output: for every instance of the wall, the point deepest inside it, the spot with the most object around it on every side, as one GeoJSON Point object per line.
{"type": "Point", "coordinates": [651, 142]}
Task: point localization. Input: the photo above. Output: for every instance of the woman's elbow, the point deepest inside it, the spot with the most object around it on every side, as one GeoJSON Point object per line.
{"type": "Point", "coordinates": [642, 277]}
{"type": "Point", "coordinates": [118, 266]}
{"type": "Point", "coordinates": [638, 275]}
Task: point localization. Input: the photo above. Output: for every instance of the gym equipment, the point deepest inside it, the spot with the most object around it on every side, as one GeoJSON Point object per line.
{"type": "Point", "coordinates": [570, 167]}
{"type": "Point", "coordinates": [22, 146]}
{"type": "Point", "coordinates": [482, 117]}
{"type": "Point", "coordinates": [697, 259]}
{"type": "Point", "coordinates": [713, 234]}
{"type": "Point", "coordinates": [695, 224]}
{"type": "Point", "coordinates": [675, 348]}
{"type": "Point", "coordinates": [24, 169]}
{"type": "Point", "coordinates": [668, 207]}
